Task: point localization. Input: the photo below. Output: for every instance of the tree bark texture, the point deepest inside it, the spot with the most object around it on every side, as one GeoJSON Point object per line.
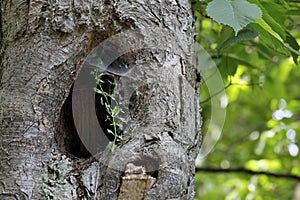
{"type": "Point", "coordinates": [43, 47]}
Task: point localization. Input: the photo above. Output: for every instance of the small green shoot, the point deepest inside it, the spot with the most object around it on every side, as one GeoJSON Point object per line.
{"type": "Point", "coordinates": [113, 113]}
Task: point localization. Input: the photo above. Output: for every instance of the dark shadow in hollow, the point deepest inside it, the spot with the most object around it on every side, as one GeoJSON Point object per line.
{"type": "Point", "coordinates": [67, 137]}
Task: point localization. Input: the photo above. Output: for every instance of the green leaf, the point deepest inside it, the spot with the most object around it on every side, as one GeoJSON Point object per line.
{"type": "Point", "coordinates": [266, 27]}
{"type": "Point", "coordinates": [119, 137]}
{"type": "Point", "coordinates": [243, 35]}
{"type": "Point", "coordinates": [110, 132]}
{"type": "Point", "coordinates": [112, 96]}
{"type": "Point", "coordinates": [265, 38]}
{"type": "Point", "coordinates": [293, 12]}
{"type": "Point", "coordinates": [293, 44]}
{"type": "Point", "coordinates": [230, 67]}
{"type": "Point", "coordinates": [98, 91]}
{"type": "Point", "coordinates": [275, 26]}
{"type": "Point", "coordinates": [269, 17]}
{"type": "Point", "coordinates": [235, 13]}
{"type": "Point", "coordinates": [226, 33]}
{"type": "Point", "coordinates": [276, 11]}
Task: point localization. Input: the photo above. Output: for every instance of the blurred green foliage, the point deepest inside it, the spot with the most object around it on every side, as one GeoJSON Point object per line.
{"type": "Point", "coordinates": [259, 67]}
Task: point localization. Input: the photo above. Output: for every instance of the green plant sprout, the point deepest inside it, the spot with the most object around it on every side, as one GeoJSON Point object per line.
{"type": "Point", "coordinates": [113, 113]}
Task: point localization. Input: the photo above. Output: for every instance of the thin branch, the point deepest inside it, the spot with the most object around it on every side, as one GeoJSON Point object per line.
{"type": "Point", "coordinates": [247, 171]}
{"type": "Point", "coordinates": [216, 94]}
{"type": "Point", "coordinates": [250, 65]}
{"type": "Point", "coordinates": [226, 87]}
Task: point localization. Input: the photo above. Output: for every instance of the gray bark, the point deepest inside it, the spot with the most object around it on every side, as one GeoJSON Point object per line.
{"type": "Point", "coordinates": [43, 47]}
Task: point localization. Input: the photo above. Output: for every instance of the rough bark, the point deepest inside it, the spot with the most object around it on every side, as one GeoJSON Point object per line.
{"type": "Point", "coordinates": [43, 47]}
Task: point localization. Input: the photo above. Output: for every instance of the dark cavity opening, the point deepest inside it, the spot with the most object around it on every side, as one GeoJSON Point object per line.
{"type": "Point", "coordinates": [67, 137]}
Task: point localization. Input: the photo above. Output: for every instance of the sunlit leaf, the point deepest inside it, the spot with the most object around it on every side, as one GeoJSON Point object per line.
{"type": "Point", "coordinates": [110, 132]}
{"type": "Point", "coordinates": [270, 38]}
{"type": "Point", "coordinates": [269, 29]}
{"type": "Point", "coordinates": [235, 13]}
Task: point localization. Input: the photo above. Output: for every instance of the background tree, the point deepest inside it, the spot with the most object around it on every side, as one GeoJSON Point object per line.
{"type": "Point", "coordinates": [258, 154]}
{"type": "Point", "coordinates": [43, 47]}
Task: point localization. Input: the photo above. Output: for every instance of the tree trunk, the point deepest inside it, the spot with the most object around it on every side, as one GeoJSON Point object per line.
{"type": "Point", "coordinates": [45, 46]}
